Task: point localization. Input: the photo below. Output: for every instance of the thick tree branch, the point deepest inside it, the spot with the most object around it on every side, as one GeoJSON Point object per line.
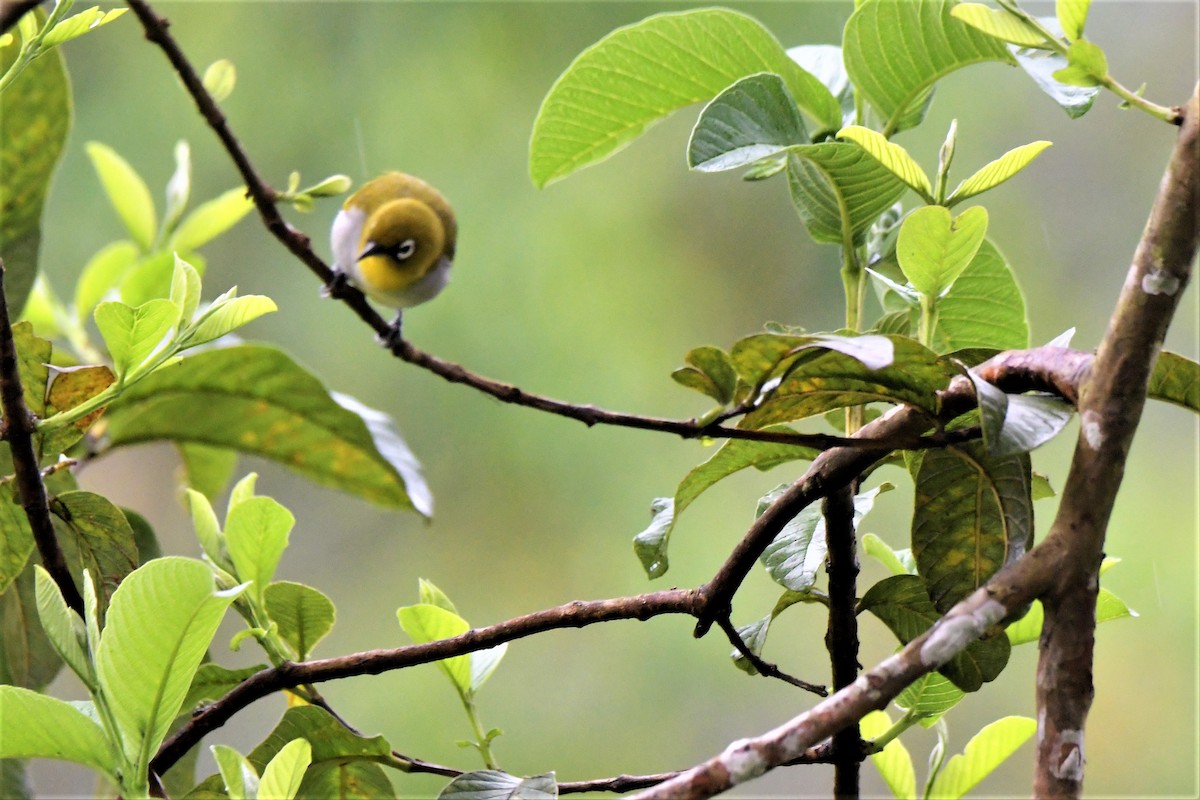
{"type": "Point", "coordinates": [18, 429]}
{"type": "Point", "coordinates": [1110, 406]}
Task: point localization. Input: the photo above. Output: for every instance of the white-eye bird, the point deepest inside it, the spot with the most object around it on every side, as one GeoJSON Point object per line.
{"type": "Point", "coordinates": [394, 239]}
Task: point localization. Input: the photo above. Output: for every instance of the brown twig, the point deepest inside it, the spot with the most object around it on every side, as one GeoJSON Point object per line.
{"type": "Point", "coordinates": [765, 668]}
{"type": "Point", "coordinates": [18, 429]}
{"type": "Point", "coordinates": [10, 12]}
{"type": "Point", "coordinates": [577, 614]}
{"type": "Point", "coordinates": [265, 200]}
{"type": "Point", "coordinates": [1110, 405]}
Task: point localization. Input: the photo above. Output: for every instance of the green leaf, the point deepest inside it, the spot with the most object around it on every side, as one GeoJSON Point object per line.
{"type": "Point", "coordinates": [160, 622]}
{"type": "Point", "coordinates": [282, 776]}
{"type": "Point", "coordinates": [986, 751]}
{"type": "Point", "coordinates": [1000, 24]}
{"type": "Point", "coordinates": [100, 539]}
{"type": "Point", "coordinates": [352, 780]}
{"type": "Point", "coordinates": [256, 399]}
{"type": "Point", "coordinates": [490, 784]}
{"type": "Point", "coordinates": [35, 115]}
{"type": "Point", "coordinates": [16, 538]}
{"type": "Point", "coordinates": [984, 308]}
{"type": "Point", "coordinates": [102, 274]}
{"type": "Point", "coordinates": [1086, 65]}
{"type": "Point", "coordinates": [898, 562]}
{"type": "Point", "coordinates": [64, 628]}
{"type": "Point", "coordinates": [839, 190]}
{"type": "Point", "coordinates": [651, 544]}
{"type": "Point", "coordinates": [79, 24]}
{"type": "Point", "coordinates": [430, 594]}
{"type": "Point", "coordinates": [931, 696]}
{"type": "Point", "coordinates": [185, 290]}
{"type": "Point", "coordinates": [825, 63]}
{"type": "Point", "coordinates": [127, 193]}
{"type": "Point", "coordinates": [303, 614]}
{"type": "Point", "coordinates": [1072, 15]}
{"type": "Point", "coordinates": [934, 249]}
{"type": "Point", "coordinates": [1176, 379]}
{"type": "Point", "coordinates": [210, 219]}
{"type": "Point", "coordinates": [237, 773]}
{"type": "Point", "coordinates": [894, 763]}
{"type": "Point", "coordinates": [640, 73]}
{"type": "Point", "coordinates": [1041, 66]}
{"type": "Point", "coordinates": [256, 534]}
{"type": "Point", "coordinates": [1017, 423]}
{"type": "Point", "coordinates": [33, 366]}
{"type": "Point", "coordinates": [972, 515]}
{"type": "Point", "coordinates": [484, 663]}
{"type": "Point", "coordinates": [220, 78]}
{"type": "Point", "coordinates": [794, 558]}
{"type": "Point", "coordinates": [152, 276]}
{"type": "Point", "coordinates": [38, 726]}
{"type": "Point", "coordinates": [207, 469]}
{"type": "Point", "coordinates": [179, 187]}
{"type": "Point", "coordinates": [894, 158]}
{"type": "Point", "coordinates": [228, 316]}
{"type": "Point", "coordinates": [833, 379]}
{"type": "Point", "coordinates": [212, 682]}
{"type": "Point", "coordinates": [428, 623]}
{"type": "Point", "coordinates": [896, 51]}
{"type": "Point", "coordinates": [208, 529]}
{"type": "Point", "coordinates": [27, 657]}
{"type": "Point", "coordinates": [902, 603]}
{"type": "Point", "coordinates": [997, 172]}
{"type": "Point", "coordinates": [133, 334]}
{"type": "Point", "coordinates": [753, 119]}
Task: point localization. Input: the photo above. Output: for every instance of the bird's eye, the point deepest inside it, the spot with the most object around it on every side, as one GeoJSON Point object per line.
{"type": "Point", "coordinates": [405, 249]}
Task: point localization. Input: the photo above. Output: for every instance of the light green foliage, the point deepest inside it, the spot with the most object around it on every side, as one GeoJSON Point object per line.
{"type": "Point", "coordinates": [934, 249]}
{"type": "Point", "coordinates": [897, 50]}
{"type": "Point", "coordinates": [35, 115]}
{"type": "Point", "coordinates": [302, 614]}
{"type": "Point", "coordinates": [1086, 65]}
{"type": "Point", "coordinates": [1000, 24]}
{"type": "Point", "coordinates": [839, 190]}
{"type": "Point", "coordinates": [133, 334]}
{"type": "Point", "coordinates": [38, 726]}
{"type": "Point", "coordinates": [892, 156]}
{"type": "Point", "coordinates": [64, 629]}
{"type": "Point", "coordinates": [256, 534]}
{"type": "Point", "coordinates": [1072, 15]}
{"type": "Point", "coordinates": [997, 172]}
{"type": "Point", "coordinates": [283, 774]}
{"type": "Point", "coordinates": [986, 751]}
{"type": "Point", "coordinates": [127, 193]}
{"type": "Point", "coordinates": [929, 697]}
{"type": "Point", "coordinates": [219, 79]}
{"type": "Point", "coordinates": [238, 774]}
{"type": "Point", "coordinates": [894, 763]}
{"type": "Point", "coordinates": [640, 73]}
{"type": "Point", "coordinates": [985, 307]}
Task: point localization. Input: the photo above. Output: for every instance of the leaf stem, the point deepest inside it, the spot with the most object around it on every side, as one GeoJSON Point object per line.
{"type": "Point", "coordinates": [482, 741]}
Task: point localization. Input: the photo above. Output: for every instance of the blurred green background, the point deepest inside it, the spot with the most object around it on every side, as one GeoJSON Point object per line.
{"type": "Point", "coordinates": [592, 290]}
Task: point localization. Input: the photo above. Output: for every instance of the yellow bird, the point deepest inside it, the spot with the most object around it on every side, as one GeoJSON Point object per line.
{"type": "Point", "coordinates": [394, 239]}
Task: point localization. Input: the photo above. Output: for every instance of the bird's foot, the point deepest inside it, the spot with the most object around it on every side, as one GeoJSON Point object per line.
{"type": "Point", "coordinates": [393, 338]}
{"type": "Point", "coordinates": [336, 288]}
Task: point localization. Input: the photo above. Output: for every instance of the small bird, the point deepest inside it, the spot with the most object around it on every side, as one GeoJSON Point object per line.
{"type": "Point", "coordinates": [394, 239]}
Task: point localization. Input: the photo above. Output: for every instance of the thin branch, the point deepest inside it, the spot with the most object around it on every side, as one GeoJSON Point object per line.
{"type": "Point", "coordinates": [18, 429]}
{"type": "Point", "coordinates": [12, 11]}
{"type": "Point", "coordinates": [841, 635]}
{"type": "Point", "coordinates": [765, 668]}
{"type": "Point", "coordinates": [265, 200]}
{"type": "Point", "coordinates": [576, 614]}
{"type": "Point", "coordinates": [1110, 405]}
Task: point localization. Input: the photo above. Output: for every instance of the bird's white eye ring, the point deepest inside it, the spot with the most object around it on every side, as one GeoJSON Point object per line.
{"type": "Point", "coordinates": [405, 249]}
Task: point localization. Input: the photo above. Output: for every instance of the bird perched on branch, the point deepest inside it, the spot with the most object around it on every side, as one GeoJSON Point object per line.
{"type": "Point", "coordinates": [394, 239]}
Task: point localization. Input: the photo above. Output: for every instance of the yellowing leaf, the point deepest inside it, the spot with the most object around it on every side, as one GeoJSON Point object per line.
{"type": "Point", "coordinates": [997, 172]}
{"type": "Point", "coordinates": [999, 24]}
{"type": "Point", "coordinates": [892, 156]}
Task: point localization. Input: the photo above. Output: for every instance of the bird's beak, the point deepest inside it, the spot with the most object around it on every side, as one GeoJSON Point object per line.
{"type": "Point", "coordinates": [371, 249]}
